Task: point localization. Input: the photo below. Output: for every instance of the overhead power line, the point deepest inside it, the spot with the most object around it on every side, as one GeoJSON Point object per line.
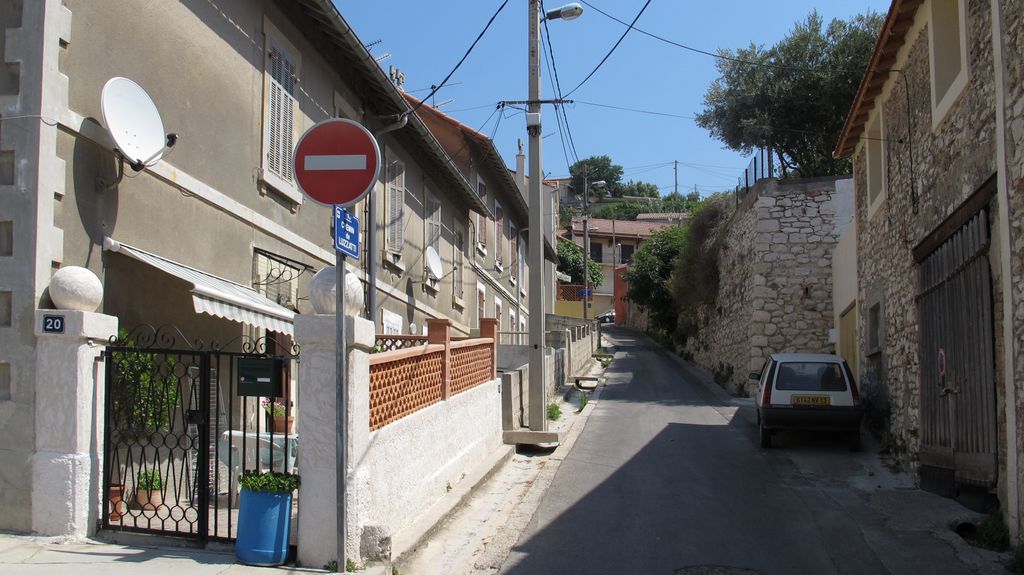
{"type": "Point", "coordinates": [464, 56]}
{"type": "Point", "coordinates": [637, 110]}
{"type": "Point", "coordinates": [616, 45]}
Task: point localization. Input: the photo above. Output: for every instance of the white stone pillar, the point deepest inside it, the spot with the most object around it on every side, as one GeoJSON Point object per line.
{"type": "Point", "coordinates": [315, 335]}
{"type": "Point", "coordinates": [66, 467]}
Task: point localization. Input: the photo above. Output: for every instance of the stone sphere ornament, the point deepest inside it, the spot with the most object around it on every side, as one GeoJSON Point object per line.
{"type": "Point", "coordinates": [323, 296]}
{"type": "Point", "coordinates": [76, 288]}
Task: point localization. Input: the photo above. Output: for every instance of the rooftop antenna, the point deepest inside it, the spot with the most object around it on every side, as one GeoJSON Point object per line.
{"type": "Point", "coordinates": [444, 103]}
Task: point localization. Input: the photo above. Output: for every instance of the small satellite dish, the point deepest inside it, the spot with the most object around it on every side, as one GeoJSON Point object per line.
{"type": "Point", "coordinates": [133, 122]}
{"type": "Point", "coordinates": [433, 262]}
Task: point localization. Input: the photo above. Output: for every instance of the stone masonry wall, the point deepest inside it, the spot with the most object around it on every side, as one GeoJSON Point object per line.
{"type": "Point", "coordinates": [775, 292]}
{"type": "Point", "coordinates": [929, 173]}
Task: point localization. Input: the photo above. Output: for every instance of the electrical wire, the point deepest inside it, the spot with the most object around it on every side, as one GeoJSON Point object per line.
{"type": "Point", "coordinates": [723, 56]}
{"type": "Point", "coordinates": [616, 45]}
{"type": "Point", "coordinates": [464, 56]}
{"type": "Point", "coordinates": [549, 58]}
{"type": "Point", "coordinates": [637, 110]}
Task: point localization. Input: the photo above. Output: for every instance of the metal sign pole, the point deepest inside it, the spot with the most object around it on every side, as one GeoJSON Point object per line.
{"type": "Point", "coordinates": [341, 415]}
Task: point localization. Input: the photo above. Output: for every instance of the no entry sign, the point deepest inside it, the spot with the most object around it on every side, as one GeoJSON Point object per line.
{"type": "Point", "coordinates": [337, 162]}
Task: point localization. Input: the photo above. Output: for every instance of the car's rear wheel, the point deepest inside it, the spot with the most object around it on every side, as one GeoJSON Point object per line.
{"type": "Point", "coordinates": [853, 441]}
{"type": "Point", "coordinates": [766, 436]}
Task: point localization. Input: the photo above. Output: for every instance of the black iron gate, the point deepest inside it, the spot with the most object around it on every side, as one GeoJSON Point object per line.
{"type": "Point", "coordinates": [958, 387]}
{"type": "Point", "coordinates": [184, 420]}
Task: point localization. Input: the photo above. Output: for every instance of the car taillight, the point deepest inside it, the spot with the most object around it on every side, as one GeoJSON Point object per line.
{"type": "Point", "coordinates": [854, 393]}
{"type": "Point", "coordinates": [767, 400]}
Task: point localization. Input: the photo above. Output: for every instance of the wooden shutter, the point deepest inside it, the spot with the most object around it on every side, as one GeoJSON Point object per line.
{"type": "Point", "coordinates": [499, 234]}
{"type": "Point", "coordinates": [281, 120]}
{"type": "Point", "coordinates": [396, 206]}
{"type": "Point", "coordinates": [457, 259]}
{"type": "Point", "coordinates": [513, 252]}
{"type": "Point", "coordinates": [433, 227]}
{"type": "Point", "coordinates": [481, 219]}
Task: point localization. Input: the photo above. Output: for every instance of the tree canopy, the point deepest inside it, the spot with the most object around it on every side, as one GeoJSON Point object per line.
{"type": "Point", "coordinates": [648, 276]}
{"type": "Point", "coordinates": [570, 263]}
{"type": "Point", "coordinates": [629, 209]}
{"type": "Point", "coordinates": [793, 97]}
{"type": "Point", "coordinates": [596, 168]}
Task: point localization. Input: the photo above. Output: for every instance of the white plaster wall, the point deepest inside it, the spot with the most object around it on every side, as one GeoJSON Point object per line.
{"type": "Point", "coordinates": [842, 203]}
{"type": "Point", "coordinates": [410, 464]}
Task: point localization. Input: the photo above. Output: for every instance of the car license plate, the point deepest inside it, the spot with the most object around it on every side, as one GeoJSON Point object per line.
{"type": "Point", "coordinates": [811, 400]}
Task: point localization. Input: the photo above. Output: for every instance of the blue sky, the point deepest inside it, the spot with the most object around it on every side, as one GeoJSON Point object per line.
{"type": "Point", "coordinates": [426, 39]}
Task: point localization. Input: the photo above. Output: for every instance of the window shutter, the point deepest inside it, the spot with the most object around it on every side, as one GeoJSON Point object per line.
{"type": "Point", "coordinates": [481, 219]}
{"type": "Point", "coordinates": [499, 234]}
{"type": "Point", "coordinates": [458, 261]}
{"type": "Point", "coordinates": [396, 206]}
{"type": "Point", "coordinates": [433, 222]}
{"type": "Point", "coordinates": [513, 252]}
{"type": "Point", "coordinates": [281, 123]}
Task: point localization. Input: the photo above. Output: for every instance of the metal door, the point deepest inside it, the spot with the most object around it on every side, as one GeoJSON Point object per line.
{"type": "Point", "coordinates": [180, 428]}
{"type": "Point", "coordinates": [958, 388]}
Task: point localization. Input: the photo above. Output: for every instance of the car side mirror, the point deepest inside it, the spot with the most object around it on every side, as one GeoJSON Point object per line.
{"type": "Point", "coordinates": [755, 375]}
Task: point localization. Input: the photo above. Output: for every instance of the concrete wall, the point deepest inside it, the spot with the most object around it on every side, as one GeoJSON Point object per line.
{"type": "Point", "coordinates": [775, 277]}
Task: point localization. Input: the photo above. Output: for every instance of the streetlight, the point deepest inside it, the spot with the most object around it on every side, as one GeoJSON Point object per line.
{"type": "Point", "coordinates": [586, 241]}
{"type": "Point", "coordinates": [538, 399]}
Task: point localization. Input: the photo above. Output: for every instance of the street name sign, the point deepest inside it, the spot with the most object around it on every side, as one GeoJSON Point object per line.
{"type": "Point", "coordinates": [346, 232]}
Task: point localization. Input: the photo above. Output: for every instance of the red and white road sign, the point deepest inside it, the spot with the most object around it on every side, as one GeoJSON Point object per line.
{"type": "Point", "coordinates": [337, 162]}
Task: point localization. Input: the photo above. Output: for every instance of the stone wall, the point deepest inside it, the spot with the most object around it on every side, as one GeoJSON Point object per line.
{"type": "Point", "coordinates": [925, 182]}
{"type": "Point", "coordinates": [775, 270]}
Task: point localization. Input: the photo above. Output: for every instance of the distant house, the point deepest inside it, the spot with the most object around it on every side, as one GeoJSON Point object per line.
{"type": "Point", "coordinates": [612, 245]}
{"type": "Point", "coordinates": [936, 134]}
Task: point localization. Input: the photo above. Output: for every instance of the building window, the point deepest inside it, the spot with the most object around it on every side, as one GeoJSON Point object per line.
{"type": "Point", "coordinates": [875, 163]}
{"type": "Point", "coordinates": [281, 67]}
{"type": "Point", "coordinates": [276, 279]}
{"type": "Point", "coordinates": [481, 219]}
{"type": "Point", "coordinates": [481, 303]}
{"type": "Point", "coordinates": [432, 208]}
{"type": "Point", "coordinates": [947, 40]}
{"type": "Point", "coordinates": [395, 208]}
{"type": "Point", "coordinates": [458, 261]}
{"type": "Point", "coordinates": [513, 253]}
{"type": "Point", "coordinates": [596, 251]}
{"type": "Point", "coordinates": [497, 312]}
{"type": "Point", "coordinates": [499, 236]}
{"type": "Point", "coordinates": [625, 253]}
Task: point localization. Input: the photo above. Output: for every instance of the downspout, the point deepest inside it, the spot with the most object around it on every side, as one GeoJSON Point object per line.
{"type": "Point", "coordinates": [371, 233]}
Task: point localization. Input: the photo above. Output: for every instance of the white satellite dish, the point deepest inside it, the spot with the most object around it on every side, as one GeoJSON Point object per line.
{"type": "Point", "coordinates": [134, 123]}
{"type": "Point", "coordinates": [433, 262]}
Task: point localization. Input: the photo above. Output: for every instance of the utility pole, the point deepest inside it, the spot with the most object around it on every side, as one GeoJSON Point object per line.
{"type": "Point", "coordinates": [586, 243]}
{"type": "Point", "coordinates": [677, 177]}
{"type": "Point", "coordinates": [537, 390]}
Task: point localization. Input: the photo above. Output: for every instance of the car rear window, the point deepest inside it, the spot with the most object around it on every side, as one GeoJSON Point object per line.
{"type": "Point", "coordinates": [810, 376]}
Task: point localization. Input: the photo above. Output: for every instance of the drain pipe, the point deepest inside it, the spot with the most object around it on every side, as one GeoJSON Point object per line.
{"type": "Point", "coordinates": [371, 229]}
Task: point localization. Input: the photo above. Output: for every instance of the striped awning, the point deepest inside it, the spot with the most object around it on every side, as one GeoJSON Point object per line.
{"type": "Point", "coordinates": [216, 296]}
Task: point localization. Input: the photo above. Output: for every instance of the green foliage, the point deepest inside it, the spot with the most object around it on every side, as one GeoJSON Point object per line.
{"type": "Point", "coordinates": [148, 394]}
{"type": "Point", "coordinates": [596, 168]}
{"type": "Point", "coordinates": [648, 273]}
{"type": "Point", "coordinates": [565, 215]}
{"type": "Point", "coordinates": [331, 567]}
{"type": "Point", "coordinates": [554, 412]}
{"type": "Point", "coordinates": [350, 566]}
{"type": "Point", "coordinates": [637, 189]}
{"type": "Point", "coordinates": [269, 482]}
{"type": "Point", "coordinates": [583, 399]}
{"type": "Point", "coordinates": [628, 209]}
{"type": "Point", "coordinates": [695, 277]}
{"type": "Point", "coordinates": [570, 262]}
{"type": "Point", "coordinates": [149, 480]}
{"type": "Point", "coordinates": [992, 533]}
{"type": "Point", "coordinates": [796, 106]}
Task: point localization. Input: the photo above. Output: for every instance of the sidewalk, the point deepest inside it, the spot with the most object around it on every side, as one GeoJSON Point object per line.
{"type": "Point", "coordinates": [26, 555]}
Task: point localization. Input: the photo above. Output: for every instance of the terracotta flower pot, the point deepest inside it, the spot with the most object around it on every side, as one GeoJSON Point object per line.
{"type": "Point", "coordinates": [149, 500]}
{"type": "Point", "coordinates": [115, 494]}
{"type": "Point", "coordinates": [281, 425]}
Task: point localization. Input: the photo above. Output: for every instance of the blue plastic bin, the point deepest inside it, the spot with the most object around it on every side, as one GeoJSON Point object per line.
{"type": "Point", "coordinates": [264, 527]}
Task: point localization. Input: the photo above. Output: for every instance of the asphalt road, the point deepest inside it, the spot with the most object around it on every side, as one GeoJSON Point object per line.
{"type": "Point", "coordinates": [667, 477]}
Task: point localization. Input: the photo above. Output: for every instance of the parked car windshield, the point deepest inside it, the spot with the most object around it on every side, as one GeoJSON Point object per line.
{"type": "Point", "coordinates": [810, 376]}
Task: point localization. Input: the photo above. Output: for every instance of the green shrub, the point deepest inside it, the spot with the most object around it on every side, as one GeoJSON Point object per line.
{"type": "Point", "coordinates": [554, 412]}
{"type": "Point", "coordinates": [583, 399]}
{"type": "Point", "coordinates": [149, 480]}
{"type": "Point", "coordinates": [269, 482]}
{"type": "Point", "coordinates": [148, 395]}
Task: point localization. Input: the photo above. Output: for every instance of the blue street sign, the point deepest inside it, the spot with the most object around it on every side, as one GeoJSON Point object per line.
{"type": "Point", "coordinates": [346, 232]}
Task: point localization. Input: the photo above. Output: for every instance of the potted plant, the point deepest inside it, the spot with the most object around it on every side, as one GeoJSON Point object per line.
{"type": "Point", "coordinates": [278, 412]}
{"type": "Point", "coordinates": [115, 495]}
{"type": "Point", "coordinates": [265, 517]}
{"type": "Point", "coordinates": [149, 485]}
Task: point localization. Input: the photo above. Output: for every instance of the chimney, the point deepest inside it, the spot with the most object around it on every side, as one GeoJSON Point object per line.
{"type": "Point", "coordinates": [521, 169]}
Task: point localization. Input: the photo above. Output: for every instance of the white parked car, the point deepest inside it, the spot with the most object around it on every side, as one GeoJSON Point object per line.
{"type": "Point", "coordinates": [807, 391]}
{"type": "Point", "coordinates": [606, 317]}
